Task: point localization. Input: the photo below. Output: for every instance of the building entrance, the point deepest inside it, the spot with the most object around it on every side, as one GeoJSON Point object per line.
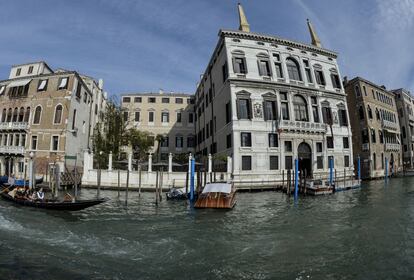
{"type": "Point", "coordinates": [305, 159]}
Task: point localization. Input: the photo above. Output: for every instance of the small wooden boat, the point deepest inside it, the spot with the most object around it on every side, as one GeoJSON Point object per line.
{"type": "Point", "coordinates": [217, 195]}
{"type": "Point", "coordinates": [176, 194]}
{"type": "Point", "coordinates": [54, 204]}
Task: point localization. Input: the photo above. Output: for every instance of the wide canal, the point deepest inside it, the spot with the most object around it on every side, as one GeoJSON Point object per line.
{"type": "Point", "coordinates": [360, 234]}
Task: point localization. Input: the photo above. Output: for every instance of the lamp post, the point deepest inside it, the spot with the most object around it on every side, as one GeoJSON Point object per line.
{"type": "Point", "coordinates": [31, 171]}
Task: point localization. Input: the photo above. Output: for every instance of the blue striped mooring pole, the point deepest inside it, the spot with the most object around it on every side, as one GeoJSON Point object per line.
{"type": "Point", "coordinates": [296, 178]}
{"type": "Point", "coordinates": [386, 169]}
{"type": "Point", "coordinates": [192, 180]}
{"type": "Point", "coordinates": [330, 171]}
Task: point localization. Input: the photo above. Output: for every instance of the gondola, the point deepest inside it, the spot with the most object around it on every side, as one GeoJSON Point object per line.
{"type": "Point", "coordinates": [51, 204]}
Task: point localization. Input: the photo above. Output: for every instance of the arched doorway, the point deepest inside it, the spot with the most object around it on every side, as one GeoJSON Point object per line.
{"type": "Point", "coordinates": [305, 159]}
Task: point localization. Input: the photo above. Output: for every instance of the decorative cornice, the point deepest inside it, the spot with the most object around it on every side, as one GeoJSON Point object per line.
{"type": "Point", "coordinates": [272, 39]}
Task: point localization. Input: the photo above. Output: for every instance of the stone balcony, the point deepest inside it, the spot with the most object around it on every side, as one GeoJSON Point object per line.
{"type": "Point", "coordinates": [303, 126]}
{"type": "Point", "coordinates": [365, 146]}
{"type": "Point", "coordinates": [392, 147]}
{"type": "Point", "coordinates": [13, 126]}
{"type": "Point", "coordinates": [390, 125]}
{"type": "Point", "coordinates": [14, 150]}
{"type": "Point", "coordinates": [412, 138]}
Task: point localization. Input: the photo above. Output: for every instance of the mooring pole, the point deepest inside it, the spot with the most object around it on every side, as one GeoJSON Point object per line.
{"type": "Point", "coordinates": [330, 172]}
{"type": "Point", "coordinates": [156, 189]}
{"type": "Point", "coordinates": [359, 170]}
{"type": "Point", "coordinates": [192, 180]}
{"type": "Point", "coordinates": [161, 182]}
{"type": "Point", "coordinates": [127, 185]}
{"type": "Point", "coordinates": [98, 194]}
{"type": "Point", "coordinates": [119, 182]}
{"type": "Point", "coordinates": [139, 181]}
{"type": "Point", "coordinates": [386, 168]}
{"type": "Point", "coordinates": [296, 178]}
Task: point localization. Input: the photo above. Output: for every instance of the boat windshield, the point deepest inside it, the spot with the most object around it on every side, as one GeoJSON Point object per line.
{"type": "Point", "coordinates": [217, 187]}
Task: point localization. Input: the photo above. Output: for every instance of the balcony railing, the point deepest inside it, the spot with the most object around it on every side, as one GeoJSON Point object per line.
{"type": "Point", "coordinates": [16, 150]}
{"type": "Point", "coordinates": [13, 126]}
{"type": "Point", "coordinates": [392, 147]}
{"type": "Point", "coordinates": [365, 146]}
{"type": "Point", "coordinates": [389, 125]}
{"type": "Point", "coordinates": [303, 126]}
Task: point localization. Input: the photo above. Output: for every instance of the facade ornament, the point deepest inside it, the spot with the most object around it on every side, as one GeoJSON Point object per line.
{"type": "Point", "coordinates": [257, 110]}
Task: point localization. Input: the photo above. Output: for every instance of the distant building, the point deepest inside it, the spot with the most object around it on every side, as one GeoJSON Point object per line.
{"type": "Point", "coordinates": [405, 107]}
{"type": "Point", "coordinates": [265, 101]}
{"type": "Point", "coordinates": [48, 113]}
{"type": "Point", "coordinates": [375, 125]}
{"type": "Point", "coordinates": [168, 114]}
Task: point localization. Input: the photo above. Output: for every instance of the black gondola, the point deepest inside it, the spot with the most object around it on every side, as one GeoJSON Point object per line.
{"type": "Point", "coordinates": [54, 204]}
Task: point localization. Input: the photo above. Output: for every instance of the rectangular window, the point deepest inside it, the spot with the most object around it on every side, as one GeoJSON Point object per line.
{"type": "Point", "coordinates": [288, 146]}
{"type": "Point", "coordinates": [179, 142]}
{"type": "Point", "coordinates": [346, 161]}
{"type": "Point", "coordinates": [343, 119]}
{"type": "Point", "coordinates": [150, 116]}
{"type": "Point", "coordinates": [273, 140]}
{"type": "Point", "coordinates": [288, 162]}
{"type": "Point", "coordinates": [228, 112]}
{"type": "Point", "coordinates": [270, 110]}
{"type": "Point", "coordinates": [319, 162]}
{"type": "Point", "coordinates": [42, 86]}
{"type": "Point", "coordinates": [137, 99]}
{"type": "Point", "coordinates": [329, 142]}
{"type": "Point", "coordinates": [151, 100]}
{"type": "Point", "coordinates": [178, 117]}
{"type": "Point", "coordinates": [164, 142]}
{"type": "Point", "coordinates": [55, 143]}
{"type": "Point", "coordinates": [373, 137]}
{"type": "Point", "coordinates": [315, 113]}
{"type": "Point", "coordinates": [274, 162]}
{"type": "Point", "coordinates": [224, 72]}
{"type": "Point", "coordinates": [78, 90]}
{"type": "Point", "coordinates": [319, 147]}
{"type": "Point", "coordinates": [30, 70]}
{"type": "Point", "coordinates": [190, 142]}
{"type": "Point", "coordinates": [165, 100]}
{"type": "Point", "coordinates": [285, 110]}
{"type": "Point", "coordinates": [179, 101]}
{"type": "Point", "coordinates": [137, 115]}
{"type": "Point", "coordinates": [246, 163]}
{"type": "Point", "coordinates": [264, 68]}
{"type": "Point", "coordinates": [246, 139]}
{"type": "Point", "coordinates": [63, 83]}
{"type": "Point", "coordinates": [34, 142]}
{"type": "Point", "coordinates": [279, 71]}
{"type": "Point", "coordinates": [345, 141]}
{"type": "Point", "coordinates": [228, 141]}
{"type": "Point", "coordinates": [126, 99]}
{"type": "Point", "coordinates": [327, 115]}
{"type": "Point", "coordinates": [190, 117]}
{"type": "Point", "coordinates": [18, 71]}
{"type": "Point", "coordinates": [319, 77]}
{"type": "Point", "coordinates": [126, 115]}
{"type": "Point", "coordinates": [74, 120]}
{"type": "Point", "coordinates": [308, 71]}
{"type": "Point", "coordinates": [165, 117]}
{"type": "Point", "coordinates": [244, 108]}
{"type": "Point", "coordinates": [335, 81]}
{"type": "Point", "coordinates": [239, 65]}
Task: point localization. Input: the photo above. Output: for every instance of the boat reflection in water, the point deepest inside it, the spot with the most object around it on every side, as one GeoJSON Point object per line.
{"type": "Point", "coordinates": [217, 195]}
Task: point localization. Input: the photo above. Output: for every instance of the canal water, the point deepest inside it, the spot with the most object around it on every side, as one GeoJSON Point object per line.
{"type": "Point", "coordinates": [360, 234]}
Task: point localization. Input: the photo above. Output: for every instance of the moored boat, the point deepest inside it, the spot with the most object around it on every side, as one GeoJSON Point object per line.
{"type": "Point", "coordinates": [53, 204]}
{"type": "Point", "coordinates": [217, 195]}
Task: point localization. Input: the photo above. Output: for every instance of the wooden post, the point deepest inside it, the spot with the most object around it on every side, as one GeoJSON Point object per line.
{"type": "Point", "coordinates": [205, 178]}
{"type": "Point", "coordinates": [186, 183]}
{"type": "Point", "coordinates": [336, 179]}
{"type": "Point", "coordinates": [283, 178]}
{"type": "Point", "coordinates": [344, 178]}
{"type": "Point", "coordinates": [127, 185]}
{"type": "Point", "coordinates": [139, 181]}
{"type": "Point", "coordinates": [305, 175]}
{"type": "Point", "coordinates": [215, 178]}
{"type": "Point", "coordinates": [119, 182]}
{"type": "Point", "coordinates": [156, 189]}
{"type": "Point", "coordinates": [161, 182]}
{"type": "Point", "coordinates": [98, 194]}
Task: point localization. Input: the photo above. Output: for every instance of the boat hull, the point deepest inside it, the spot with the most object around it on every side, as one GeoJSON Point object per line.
{"type": "Point", "coordinates": [216, 200]}
{"type": "Point", "coordinates": [55, 205]}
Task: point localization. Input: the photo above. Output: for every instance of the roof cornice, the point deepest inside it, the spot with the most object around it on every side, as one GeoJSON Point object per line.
{"type": "Point", "coordinates": [276, 40]}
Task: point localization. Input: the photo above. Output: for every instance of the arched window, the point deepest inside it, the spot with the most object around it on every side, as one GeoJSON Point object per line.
{"type": "Point", "coordinates": [301, 109]}
{"type": "Point", "coordinates": [374, 157]}
{"type": "Point", "coordinates": [21, 114]}
{"type": "Point", "coordinates": [15, 113]}
{"type": "Point", "coordinates": [4, 115]}
{"type": "Point", "coordinates": [377, 114]}
{"type": "Point", "coordinates": [293, 69]}
{"type": "Point", "coordinates": [369, 112]}
{"type": "Point", "coordinates": [27, 114]}
{"type": "Point", "coordinates": [37, 115]}
{"type": "Point", "coordinates": [9, 115]}
{"type": "Point", "coordinates": [58, 114]}
{"type": "Point", "coordinates": [361, 113]}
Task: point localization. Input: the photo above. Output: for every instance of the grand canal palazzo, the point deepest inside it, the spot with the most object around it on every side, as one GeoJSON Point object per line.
{"type": "Point", "coordinates": [264, 101]}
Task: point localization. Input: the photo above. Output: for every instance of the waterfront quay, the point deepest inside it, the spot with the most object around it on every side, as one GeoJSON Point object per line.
{"type": "Point", "coordinates": [359, 234]}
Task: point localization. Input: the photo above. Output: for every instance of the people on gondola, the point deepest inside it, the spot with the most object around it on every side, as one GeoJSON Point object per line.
{"type": "Point", "coordinates": [40, 194]}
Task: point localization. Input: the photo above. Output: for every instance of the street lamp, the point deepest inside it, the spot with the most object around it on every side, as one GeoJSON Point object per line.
{"type": "Point", "coordinates": [31, 173]}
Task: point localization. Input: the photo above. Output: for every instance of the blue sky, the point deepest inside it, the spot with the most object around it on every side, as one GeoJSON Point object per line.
{"type": "Point", "coordinates": [140, 46]}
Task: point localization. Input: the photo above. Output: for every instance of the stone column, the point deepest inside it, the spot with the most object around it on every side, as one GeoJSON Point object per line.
{"type": "Point", "coordinates": [229, 167]}
{"type": "Point", "coordinates": [91, 161]}
{"type": "Point", "coordinates": [86, 164]}
{"type": "Point", "coordinates": [150, 163]}
{"type": "Point", "coordinates": [130, 162]}
{"type": "Point", "coordinates": [110, 162]}
{"type": "Point", "coordinates": [170, 157]}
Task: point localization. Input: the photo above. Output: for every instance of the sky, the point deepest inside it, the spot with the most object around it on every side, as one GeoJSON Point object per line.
{"type": "Point", "coordinates": [145, 46]}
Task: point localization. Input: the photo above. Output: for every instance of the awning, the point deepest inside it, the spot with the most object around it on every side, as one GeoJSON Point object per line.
{"type": "Point", "coordinates": [217, 187]}
{"type": "Point", "coordinates": [19, 83]}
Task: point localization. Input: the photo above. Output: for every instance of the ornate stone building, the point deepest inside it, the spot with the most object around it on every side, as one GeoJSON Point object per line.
{"type": "Point", "coordinates": [48, 113]}
{"type": "Point", "coordinates": [405, 107]}
{"type": "Point", "coordinates": [265, 101]}
{"type": "Point", "coordinates": [170, 115]}
{"type": "Point", "coordinates": [375, 125]}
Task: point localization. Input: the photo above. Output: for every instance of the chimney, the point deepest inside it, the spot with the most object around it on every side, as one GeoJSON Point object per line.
{"type": "Point", "coordinates": [100, 84]}
{"type": "Point", "coordinates": [345, 80]}
{"type": "Point", "coordinates": [161, 92]}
